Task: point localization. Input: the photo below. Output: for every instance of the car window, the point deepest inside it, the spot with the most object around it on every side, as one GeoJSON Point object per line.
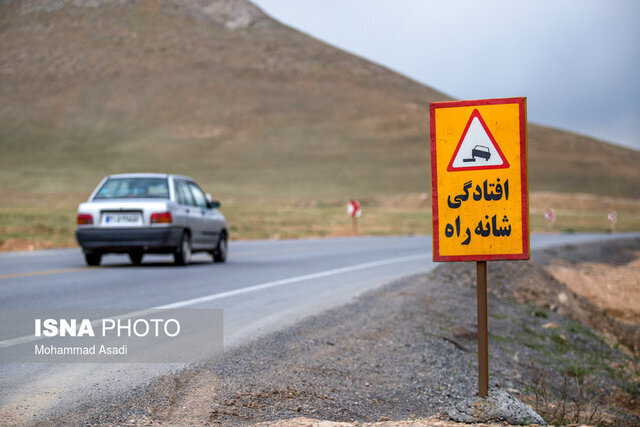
{"type": "Point", "coordinates": [180, 198]}
{"type": "Point", "coordinates": [178, 192]}
{"type": "Point", "coordinates": [136, 188]}
{"type": "Point", "coordinates": [184, 195]}
{"type": "Point", "coordinates": [198, 195]}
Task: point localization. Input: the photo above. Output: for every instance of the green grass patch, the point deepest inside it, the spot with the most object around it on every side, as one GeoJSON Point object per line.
{"type": "Point", "coordinates": [499, 316]}
{"type": "Point", "coordinates": [539, 312]}
{"type": "Point", "coordinates": [498, 338]}
{"type": "Point", "coordinates": [577, 370]}
{"type": "Point", "coordinates": [631, 387]}
{"type": "Point", "coordinates": [559, 340]}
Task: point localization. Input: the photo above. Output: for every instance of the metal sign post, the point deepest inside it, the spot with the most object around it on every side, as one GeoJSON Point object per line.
{"type": "Point", "coordinates": [480, 192]}
{"type": "Point", "coordinates": [483, 330]}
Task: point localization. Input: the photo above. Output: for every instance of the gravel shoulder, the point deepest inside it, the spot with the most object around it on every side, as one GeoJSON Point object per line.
{"type": "Point", "coordinates": [407, 351]}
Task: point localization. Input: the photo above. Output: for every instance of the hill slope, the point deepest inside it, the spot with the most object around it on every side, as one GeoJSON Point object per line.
{"type": "Point", "coordinates": [247, 106]}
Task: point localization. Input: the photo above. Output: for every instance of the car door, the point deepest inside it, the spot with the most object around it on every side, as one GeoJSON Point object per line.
{"type": "Point", "coordinates": [209, 220]}
{"type": "Point", "coordinates": [183, 205]}
{"type": "Point", "coordinates": [189, 210]}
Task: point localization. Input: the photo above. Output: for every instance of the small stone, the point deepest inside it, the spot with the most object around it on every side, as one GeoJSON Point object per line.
{"type": "Point", "coordinates": [383, 418]}
{"type": "Point", "coordinates": [550, 325]}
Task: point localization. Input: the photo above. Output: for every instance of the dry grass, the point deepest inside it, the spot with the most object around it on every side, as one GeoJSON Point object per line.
{"type": "Point", "coordinates": [571, 406]}
{"type": "Point", "coordinates": [583, 213]}
{"type": "Point", "coordinates": [44, 220]}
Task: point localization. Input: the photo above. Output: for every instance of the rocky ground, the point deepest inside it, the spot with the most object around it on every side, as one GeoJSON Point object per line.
{"type": "Point", "coordinates": [406, 353]}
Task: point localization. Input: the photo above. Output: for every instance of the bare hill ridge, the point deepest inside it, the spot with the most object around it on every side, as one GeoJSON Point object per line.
{"type": "Point", "coordinates": [246, 105]}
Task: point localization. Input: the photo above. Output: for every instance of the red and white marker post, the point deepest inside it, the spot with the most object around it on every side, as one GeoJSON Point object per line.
{"type": "Point", "coordinates": [613, 218]}
{"type": "Point", "coordinates": [354, 211]}
{"type": "Point", "coordinates": [550, 217]}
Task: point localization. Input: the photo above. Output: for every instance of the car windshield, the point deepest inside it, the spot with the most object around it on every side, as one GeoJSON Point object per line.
{"type": "Point", "coordinates": [134, 188]}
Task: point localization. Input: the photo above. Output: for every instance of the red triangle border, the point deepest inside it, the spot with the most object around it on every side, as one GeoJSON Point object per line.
{"type": "Point", "coordinates": [504, 165]}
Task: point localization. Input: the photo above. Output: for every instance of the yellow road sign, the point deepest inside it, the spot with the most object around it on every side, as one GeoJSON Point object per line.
{"type": "Point", "coordinates": [479, 180]}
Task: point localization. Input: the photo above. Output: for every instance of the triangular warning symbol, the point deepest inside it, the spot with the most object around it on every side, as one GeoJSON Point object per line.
{"type": "Point", "coordinates": [477, 148]}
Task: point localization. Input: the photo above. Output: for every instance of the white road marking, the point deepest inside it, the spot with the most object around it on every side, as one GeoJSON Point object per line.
{"type": "Point", "coordinates": [276, 283]}
{"type": "Point", "coordinates": [180, 304]}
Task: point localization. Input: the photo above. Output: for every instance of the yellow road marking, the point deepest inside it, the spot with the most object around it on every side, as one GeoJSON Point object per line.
{"type": "Point", "coordinates": [43, 273]}
{"type": "Point", "coordinates": [248, 254]}
{"type": "Point", "coordinates": [74, 270]}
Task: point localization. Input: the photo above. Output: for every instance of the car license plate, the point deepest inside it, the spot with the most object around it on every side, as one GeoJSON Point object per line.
{"type": "Point", "coordinates": [125, 219]}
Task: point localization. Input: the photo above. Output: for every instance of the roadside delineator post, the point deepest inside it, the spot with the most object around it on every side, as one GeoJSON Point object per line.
{"type": "Point", "coordinates": [354, 211]}
{"type": "Point", "coordinates": [480, 192]}
{"type": "Point", "coordinates": [550, 217]}
{"type": "Point", "coordinates": [613, 218]}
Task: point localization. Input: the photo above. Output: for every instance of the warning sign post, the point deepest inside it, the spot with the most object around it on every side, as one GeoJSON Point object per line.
{"type": "Point", "coordinates": [479, 180]}
{"type": "Point", "coordinates": [480, 191]}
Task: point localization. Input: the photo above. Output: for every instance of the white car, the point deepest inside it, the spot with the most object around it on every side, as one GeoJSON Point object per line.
{"type": "Point", "coordinates": [151, 213]}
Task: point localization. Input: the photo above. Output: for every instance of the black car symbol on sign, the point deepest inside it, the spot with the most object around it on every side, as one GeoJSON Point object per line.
{"type": "Point", "coordinates": [479, 151]}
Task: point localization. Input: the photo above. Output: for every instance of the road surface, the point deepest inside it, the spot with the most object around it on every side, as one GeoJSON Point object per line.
{"type": "Point", "coordinates": [265, 286]}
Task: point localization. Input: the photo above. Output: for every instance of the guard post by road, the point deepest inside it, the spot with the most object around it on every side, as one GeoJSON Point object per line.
{"type": "Point", "coordinates": [354, 211]}
{"type": "Point", "coordinates": [480, 192]}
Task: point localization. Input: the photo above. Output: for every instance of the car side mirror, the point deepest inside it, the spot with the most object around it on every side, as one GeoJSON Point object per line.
{"type": "Point", "coordinates": [214, 204]}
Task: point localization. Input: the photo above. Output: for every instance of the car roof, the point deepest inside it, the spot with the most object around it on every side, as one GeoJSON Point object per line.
{"type": "Point", "coordinates": [148, 175]}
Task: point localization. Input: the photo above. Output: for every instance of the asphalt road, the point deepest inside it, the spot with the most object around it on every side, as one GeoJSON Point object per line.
{"type": "Point", "coordinates": [265, 285]}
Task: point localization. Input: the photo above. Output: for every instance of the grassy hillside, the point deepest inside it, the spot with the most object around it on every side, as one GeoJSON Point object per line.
{"type": "Point", "coordinates": [248, 107]}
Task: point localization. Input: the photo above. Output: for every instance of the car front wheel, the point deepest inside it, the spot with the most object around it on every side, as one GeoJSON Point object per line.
{"type": "Point", "coordinates": [182, 255]}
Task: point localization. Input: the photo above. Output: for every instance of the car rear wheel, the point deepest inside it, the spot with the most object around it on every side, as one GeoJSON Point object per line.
{"type": "Point", "coordinates": [182, 255]}
{"type": "Point", "coordinates": [136, 257]}
{"type": "Point", "coordinates": [222, 249]}
{"type": "Point", "coordinates": [93, 258]}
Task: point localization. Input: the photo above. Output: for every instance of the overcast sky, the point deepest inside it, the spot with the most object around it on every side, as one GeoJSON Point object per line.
{"type": "Point", "coordinates": [577, 61]}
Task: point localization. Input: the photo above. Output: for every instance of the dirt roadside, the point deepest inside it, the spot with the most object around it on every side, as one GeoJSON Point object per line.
{"type": "Point", "coordinates": [610, 279]}
{"type": "Point", "coordinates": [401, 354]}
